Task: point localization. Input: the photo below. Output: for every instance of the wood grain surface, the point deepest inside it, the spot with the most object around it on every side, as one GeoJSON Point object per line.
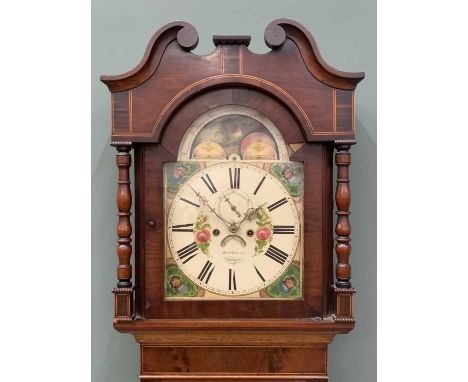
{"type": "Point", "coordinates": [292, 73]}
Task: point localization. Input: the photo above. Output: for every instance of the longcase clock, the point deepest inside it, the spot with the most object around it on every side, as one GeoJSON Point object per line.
{"type": "Point", "coordinates": [233, 240]}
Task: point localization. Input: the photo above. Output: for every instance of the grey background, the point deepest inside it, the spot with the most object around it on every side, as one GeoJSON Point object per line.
{"type": "Point", "coordinates": [345, 32]}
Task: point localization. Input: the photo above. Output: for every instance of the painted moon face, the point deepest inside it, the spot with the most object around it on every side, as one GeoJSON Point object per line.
{"type": "Point", "coordinates": [256, 137]}
{"type": "Point", "coordinates": [209, 150]}
{"type": "Point", "coordinates": [258, 146]}
{"type": "Point", "coordinates": [260, 150]}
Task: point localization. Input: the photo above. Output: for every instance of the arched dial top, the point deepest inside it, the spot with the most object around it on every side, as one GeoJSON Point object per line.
{"type": "Point", "coordinates": [233, 132]}
{"type": "Point", "coordinates": [233, 229]}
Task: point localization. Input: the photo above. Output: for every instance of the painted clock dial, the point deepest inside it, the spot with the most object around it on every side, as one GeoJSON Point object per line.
{"type": "Point", "coordinates": [234, 207]}
{"type": "Point", "coordinates": [233, 228]}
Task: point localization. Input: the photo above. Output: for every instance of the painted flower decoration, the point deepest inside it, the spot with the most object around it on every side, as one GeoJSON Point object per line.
{"type": "Point", "coordinates": [203, 236]}
{"type": "Point", "coordinates": [263, 233]}
{"type": "Point", "coordinates": [203, 233]}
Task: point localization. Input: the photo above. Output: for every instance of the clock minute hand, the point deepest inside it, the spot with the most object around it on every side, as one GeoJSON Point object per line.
{"type": "Point", "coordinates": [200, 197]}
{"type": "Point", "coordinates": [218, 215]}
{"type": "Point", "coordinates": [233, 227]}
{"type": "Point", "coordinates": [204, 201]}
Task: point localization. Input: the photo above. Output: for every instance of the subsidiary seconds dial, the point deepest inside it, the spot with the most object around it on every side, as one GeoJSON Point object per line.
{"type": "Point", "coordinates": [233, 229]}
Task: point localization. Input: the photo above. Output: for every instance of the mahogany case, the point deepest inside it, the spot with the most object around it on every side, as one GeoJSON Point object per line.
{"type": "Point", "coordinates": [312, 105]}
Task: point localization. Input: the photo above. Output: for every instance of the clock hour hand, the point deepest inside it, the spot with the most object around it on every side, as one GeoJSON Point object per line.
{"type": "Point", "coordinates": [251, 213]}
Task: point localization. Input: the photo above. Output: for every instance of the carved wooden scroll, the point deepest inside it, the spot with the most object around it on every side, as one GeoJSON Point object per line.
{"type": "Point", "coordinates": [124, 291]}
{"type": "Point", "coordinates": [343, 290]}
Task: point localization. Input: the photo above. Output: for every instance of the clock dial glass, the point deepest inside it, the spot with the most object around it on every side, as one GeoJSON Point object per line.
{"type": "Point", "coordinates": [233, 206]}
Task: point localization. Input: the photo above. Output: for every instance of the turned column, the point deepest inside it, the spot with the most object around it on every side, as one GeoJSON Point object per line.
{"type": "Point", "coordinates": [343, 227]}
{"type": "Point", "coordinates": [343, 290]}
{"type": "Point", "coordinates": [124, 226]}
{"type": "Point", "coordinates": [124, 291]}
